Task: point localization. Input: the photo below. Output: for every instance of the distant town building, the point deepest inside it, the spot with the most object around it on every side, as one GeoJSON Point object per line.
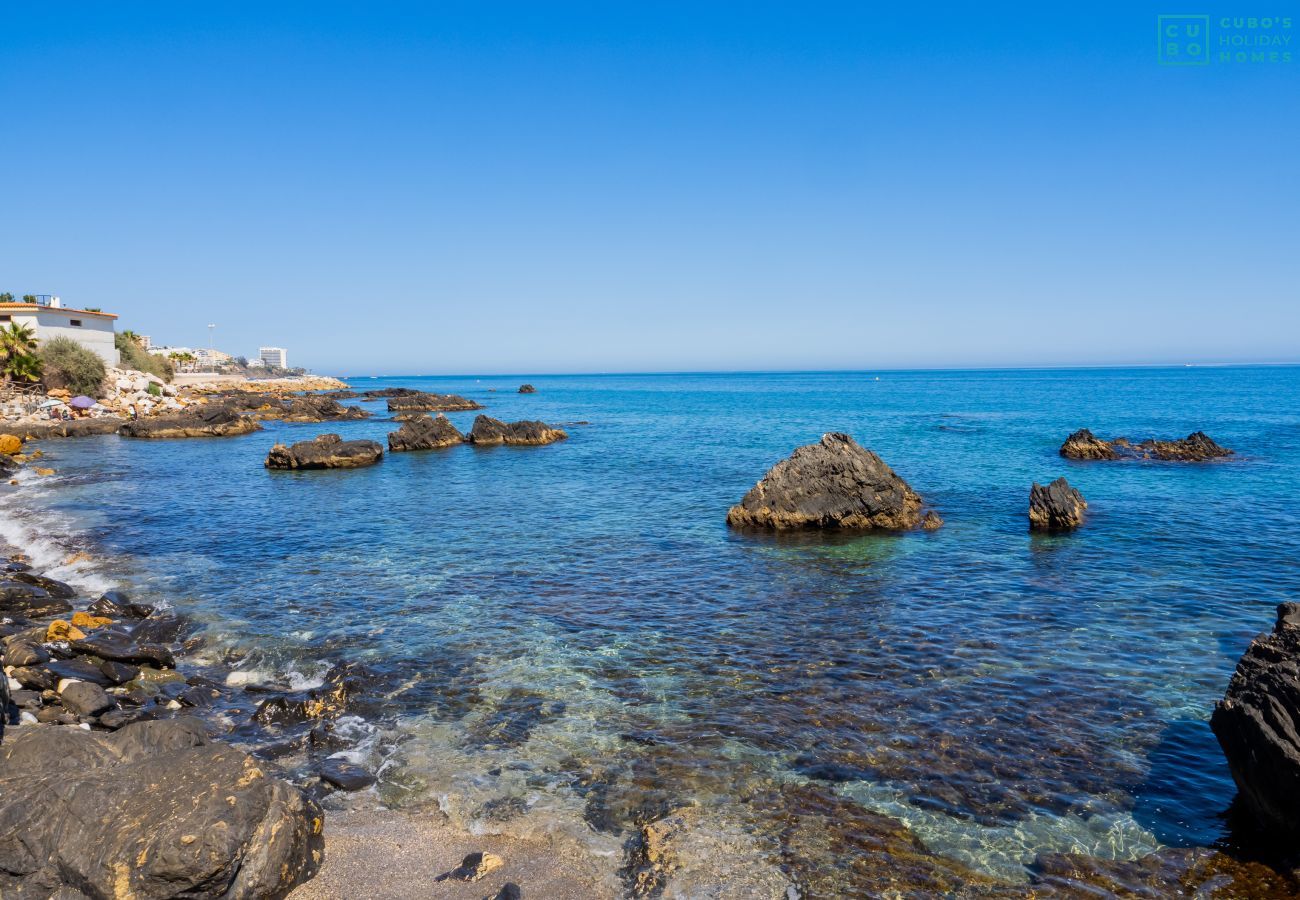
{"type": "Point", "coordinates": [48, 318]}
{"type": "Point", "coordinates": [256, 363]}
{"type": "Point", "coordinates": [145, 342]}
{"type": "Point", "coordinates": [274, 357]}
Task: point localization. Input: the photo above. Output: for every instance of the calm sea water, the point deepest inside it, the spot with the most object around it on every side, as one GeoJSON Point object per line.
{"type": "Point", "coordinates": [581, 643]}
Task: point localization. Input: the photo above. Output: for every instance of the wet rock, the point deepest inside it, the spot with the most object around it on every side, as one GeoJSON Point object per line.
{"type": "Point", "coordinates": [30, 601]}
{"type": "Point", "coordinates": [160, 629]}
{"type": "Point", "coordinates": [120, 718]}
{"type": "Point", "coordinates": [74, 428]}
{"type": "Point", "coordinates": [318, 408]}
{"type": "Point", "coordinates": [118, 672]}
{"type": "Point", "coordinates": [474, 867]}
{"type": "Point", "coordinates": [85, 699]}
{"type": "Point", "coordinates": [24, 654]}
{"type": "Point", "coordinates": [527, 389]}
{"type": "Point", "coordinates": [1057, 507]}
{"type": "Point", "coordinates": [328, 451]}
{"type": "Point", "coordinates": [35, 678]}
{"type": "Point", "coordinates": [417, 401]}
{"type": "Point", "coordinates": [89, 622]}
{"type": "Point", "coordinates": [150, 811]}
{"type": "Point", "coordinates": [1258, 726]}
{"type": "Point", "coordinates": [654, 855]}
{"type": "Point", "coordinates": [23, 699]}
{"type": "Point", "coordinates": [345, 776]}
{"type": "Point", "coordinates": [79, 670]}
{"type": "Point", "coordinates": [1173, 872]}
{"type": "Point", "coordinates": [51, 586]}
{"type": "Point", "coordinates": [124, 648]}
{"type": "Point", "coordinates": [62, 630]}
{"type": "Point", "coordinates": [210, 420]}
{"type": "Point", "coordinates": [487, 430]}
{"type": "Point", "coordinates": [424, 433]}
{"type": "Point", "coordinates": [833, 484]}
{"type": "Point", "coordinates": [1196, 447]}
{"type": "Point", "coordinates": [117, 605]}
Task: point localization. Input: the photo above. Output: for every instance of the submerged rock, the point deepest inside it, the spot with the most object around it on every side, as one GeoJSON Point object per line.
{"type": "Point", "coordinates": [329, 451]}
{"type": "Point", "coordinates": [835, 483]}
{"type": "Point", "coordinates": [1258, 725]}
{"type": "Point", "coordinates": [1057, 507]}
{"type": "Point", "coordinates": [1171, 872]}
{"type": "Point", "coordinates": [212, 420]}
{"type": "Point", "coordinates": [527, 389]}
{"type": "Point", "coordinates": [421, 432]}
{"type": "Point", "coordinates": [417, 401]}
{"type": "Point", "coordinates": [1196, 447]}
{"type": "Point", "coordinates": [345, 776]}
{"type": "Point", "coordinates": [488, 430]}
{"type": "Point", "coordinates": [152, 810]}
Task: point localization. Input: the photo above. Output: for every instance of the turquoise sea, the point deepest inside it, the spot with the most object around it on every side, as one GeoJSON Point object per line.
{"type": "Point", "coordinates": [573, 642]}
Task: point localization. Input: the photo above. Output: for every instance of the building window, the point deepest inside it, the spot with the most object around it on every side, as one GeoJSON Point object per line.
{"type": "Point", "coordinates": [6, 318]}
{"type": "Point", "coordinates": [75, 323]}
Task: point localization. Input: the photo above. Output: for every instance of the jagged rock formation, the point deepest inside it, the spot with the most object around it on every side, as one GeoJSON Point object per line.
{"type": "Point", "coordinates": [328, 451]}
{"type": "Point", "coordinates": [424, 433]}
{"type": "Point", "coordinates": [1057, 507]}
{"type": "Point", "coordinates": [487, 430]}
{"type": "Point", "coordinates": [211, 420]}
{"type": "Point", "coordinates": [1196, 447]}
{"type": "Point", "coordinates": [422, 402]}
{"type": "Point", "coordinates": [834, 484]}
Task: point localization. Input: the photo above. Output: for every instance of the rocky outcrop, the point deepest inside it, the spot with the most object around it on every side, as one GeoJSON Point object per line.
{"type": "Point", "coordinates": [1196, 447]}
{"type": "Point", "coordinates": [211, 420]}
{"type": "Point", "coordinates": [76, 428]}
{"type": "Point", "coordinates": [1258, 725]}
{"type": "Point", "coordinates": [318, 408]}
{"type": "Point", "coordinates": [20, 598]}
{"type": "Point", "coordinates": [424, 433]}
{"type": "Point", "coordinates": [418, 401]}
{"type": "Point", "coordinates": [487, 430]}
{"type": "Point", "coordinates": [833, 484]}
{"type": "Point", "coordinates": [152, 810]}
{"type": "Point", "coordinates": [329, 451]}
{"type": "Point", "coordinates": [1057, 507]}
{"type": "Point", "coordinates": [527, 389]}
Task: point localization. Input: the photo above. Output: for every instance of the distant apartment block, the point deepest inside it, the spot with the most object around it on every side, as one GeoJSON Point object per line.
{"type": "Point", "coordinates": [49, 318]}
{"type": "Point", "coordinates": [274, 357]}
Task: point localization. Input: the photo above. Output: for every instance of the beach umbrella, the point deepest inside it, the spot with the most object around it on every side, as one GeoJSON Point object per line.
{"type": "Point", "coordinates": [82, 402]}
{"type": "Point", "coordinates": [48, 403]}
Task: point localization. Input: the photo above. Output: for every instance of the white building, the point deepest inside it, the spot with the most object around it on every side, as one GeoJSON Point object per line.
{"type": "Point", "coordinates": [48, 318]}
{"type": "Point", "coordinates": [274, 357]}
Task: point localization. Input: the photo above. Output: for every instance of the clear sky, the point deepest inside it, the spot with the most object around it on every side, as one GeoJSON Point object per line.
{"type": "Point", "coordinates": [540, 187]}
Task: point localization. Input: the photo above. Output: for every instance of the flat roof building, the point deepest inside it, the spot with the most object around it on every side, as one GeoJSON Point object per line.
{"type": "Point", "coordinates": [274, 357]}
{"type": "Point", "coordinates": [48, 318]}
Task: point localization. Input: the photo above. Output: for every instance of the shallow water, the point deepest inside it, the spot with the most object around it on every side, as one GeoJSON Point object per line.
{"type": "Point", "coordinates": [580, 643]}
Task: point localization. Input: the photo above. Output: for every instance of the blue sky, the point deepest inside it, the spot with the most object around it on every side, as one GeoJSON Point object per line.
{"type": "Point", "coordinates": [538, 187]}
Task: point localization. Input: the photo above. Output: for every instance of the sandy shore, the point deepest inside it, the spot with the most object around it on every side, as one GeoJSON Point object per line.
{"type": "Point", "coordinates": [381, 854]}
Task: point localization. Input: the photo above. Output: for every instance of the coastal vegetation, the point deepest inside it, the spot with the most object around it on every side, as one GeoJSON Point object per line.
{"type": "Point", "coordinates": [66, 364]}
{"type": "Point", "coordinates": [18, 358]}
{"type": "Point", "coordinates": [134, 356]}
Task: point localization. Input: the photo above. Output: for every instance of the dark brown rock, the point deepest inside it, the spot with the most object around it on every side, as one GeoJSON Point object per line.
{"type": "Point", "coordinates": [833, 484]}
{"type": "Point", "coordinates": [1172, 872]}
{"type": "Point", "coordinates": [328, 451]}
{"type": "Point", "coordinates": [527, 389]}
{"type": "Point", "coordinates": [28, 600]}
{"type": "Point", "coordinates": [424, 433]}
{"type": "Point", "coordinates": [121, 647]}
{"type": "Point", "coordinates": [1258, 726]}
{"type": "Point", "coordinates": [488, 430]}
{"type": "Point", "coordinates": [151, 811]}
{"type": "Point", "coordinates": [1196, 447]}
{"type": "Point", "coordinates": [421, 402]}
{"type": "Point", "coordinates": [1057, 507]}
{"type": "Point", "coordinates": [85, 699]}
{"type": "Point", "coordinates": [54, 588]}
{"type": "Point", "coordinates": [345, 776]}
{"type": "Point", "coordinates": [211, 420]}
{"type": "Point", "coordinates": [317, 408]}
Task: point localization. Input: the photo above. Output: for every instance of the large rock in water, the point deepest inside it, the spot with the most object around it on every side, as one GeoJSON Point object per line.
{"type": "Point", "coordinates": [422, 402]}
{"type": "Point", "coordinates": [835, 483]}
{"type": "Point", "coordinates": [1258, 725]}
{"type": "Point", "coordinates": [151, 811]}
{"type": "Point", "coordinates": [487, 430]}
{"type": "Point", "coordinates": [18, 598]}
{"type": "Point", "coordinates": [212, 420]}
{"type": "Point", "coordinates": [318, 408]}
{"type": "Point", "coordinates": [424, 433]}
{"type": "Point", "coordinates": [329, 451]}
{"type": "Point", "coordinates": [1057, 507]}
{"type": "Point", "coordinates": [1196, 447]}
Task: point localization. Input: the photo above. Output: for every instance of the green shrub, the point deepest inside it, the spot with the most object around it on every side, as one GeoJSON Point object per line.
{"type": "Point", "coordinates": [135, 357]}
{"type": "Point", "coordinates": [69, 365]}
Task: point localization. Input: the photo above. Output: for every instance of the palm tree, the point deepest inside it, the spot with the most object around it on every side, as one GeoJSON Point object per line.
{"type": "Point", "coordinates": [16, 342]}
{"type": "Point", "coordinates": [26, 367]}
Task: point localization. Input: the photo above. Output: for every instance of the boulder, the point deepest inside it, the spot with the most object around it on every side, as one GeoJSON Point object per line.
{"type": "Point", "coordinates": [527, 389]}
{"type": "Point", "coordinates": [487, 430]}
{"type": "Point", "coordinates": [418, 401]}
{"type": "Point", "coordinates": [1258, 726]}
{"type": "Point", "coordinates": [1057, 507]}
{"type": "Point", "coordinates": [84, 698]}
{"type": "Point", "coordinates": [211, 420]}
{"type": "Point", "coordinates": [1196, 447]}
{"type": "Point", "coordinates": [833, 484]}
{"type": "Point", "coordinates": [424, 433]}
{"type": "Point", "coordinates": [150, 811]}
{"type": "Point", "coordinates": [329, 451]}
{"type": "Point", "coordinates": [54, 588]}
{"type": "Point", "coordinates": [316, 408]}
{"type": "Point", "coordinates": [122, 647]}
{"type": "Point", "coordinates": [28, 600]}
{"type": "Point", "coordinates": [345, 776]}
{"type": "Point", "coordinates": [10, 444]}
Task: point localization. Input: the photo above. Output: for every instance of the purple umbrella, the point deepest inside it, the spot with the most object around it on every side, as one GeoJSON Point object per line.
{"type": "Point", "coordinates": [82, 402]}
